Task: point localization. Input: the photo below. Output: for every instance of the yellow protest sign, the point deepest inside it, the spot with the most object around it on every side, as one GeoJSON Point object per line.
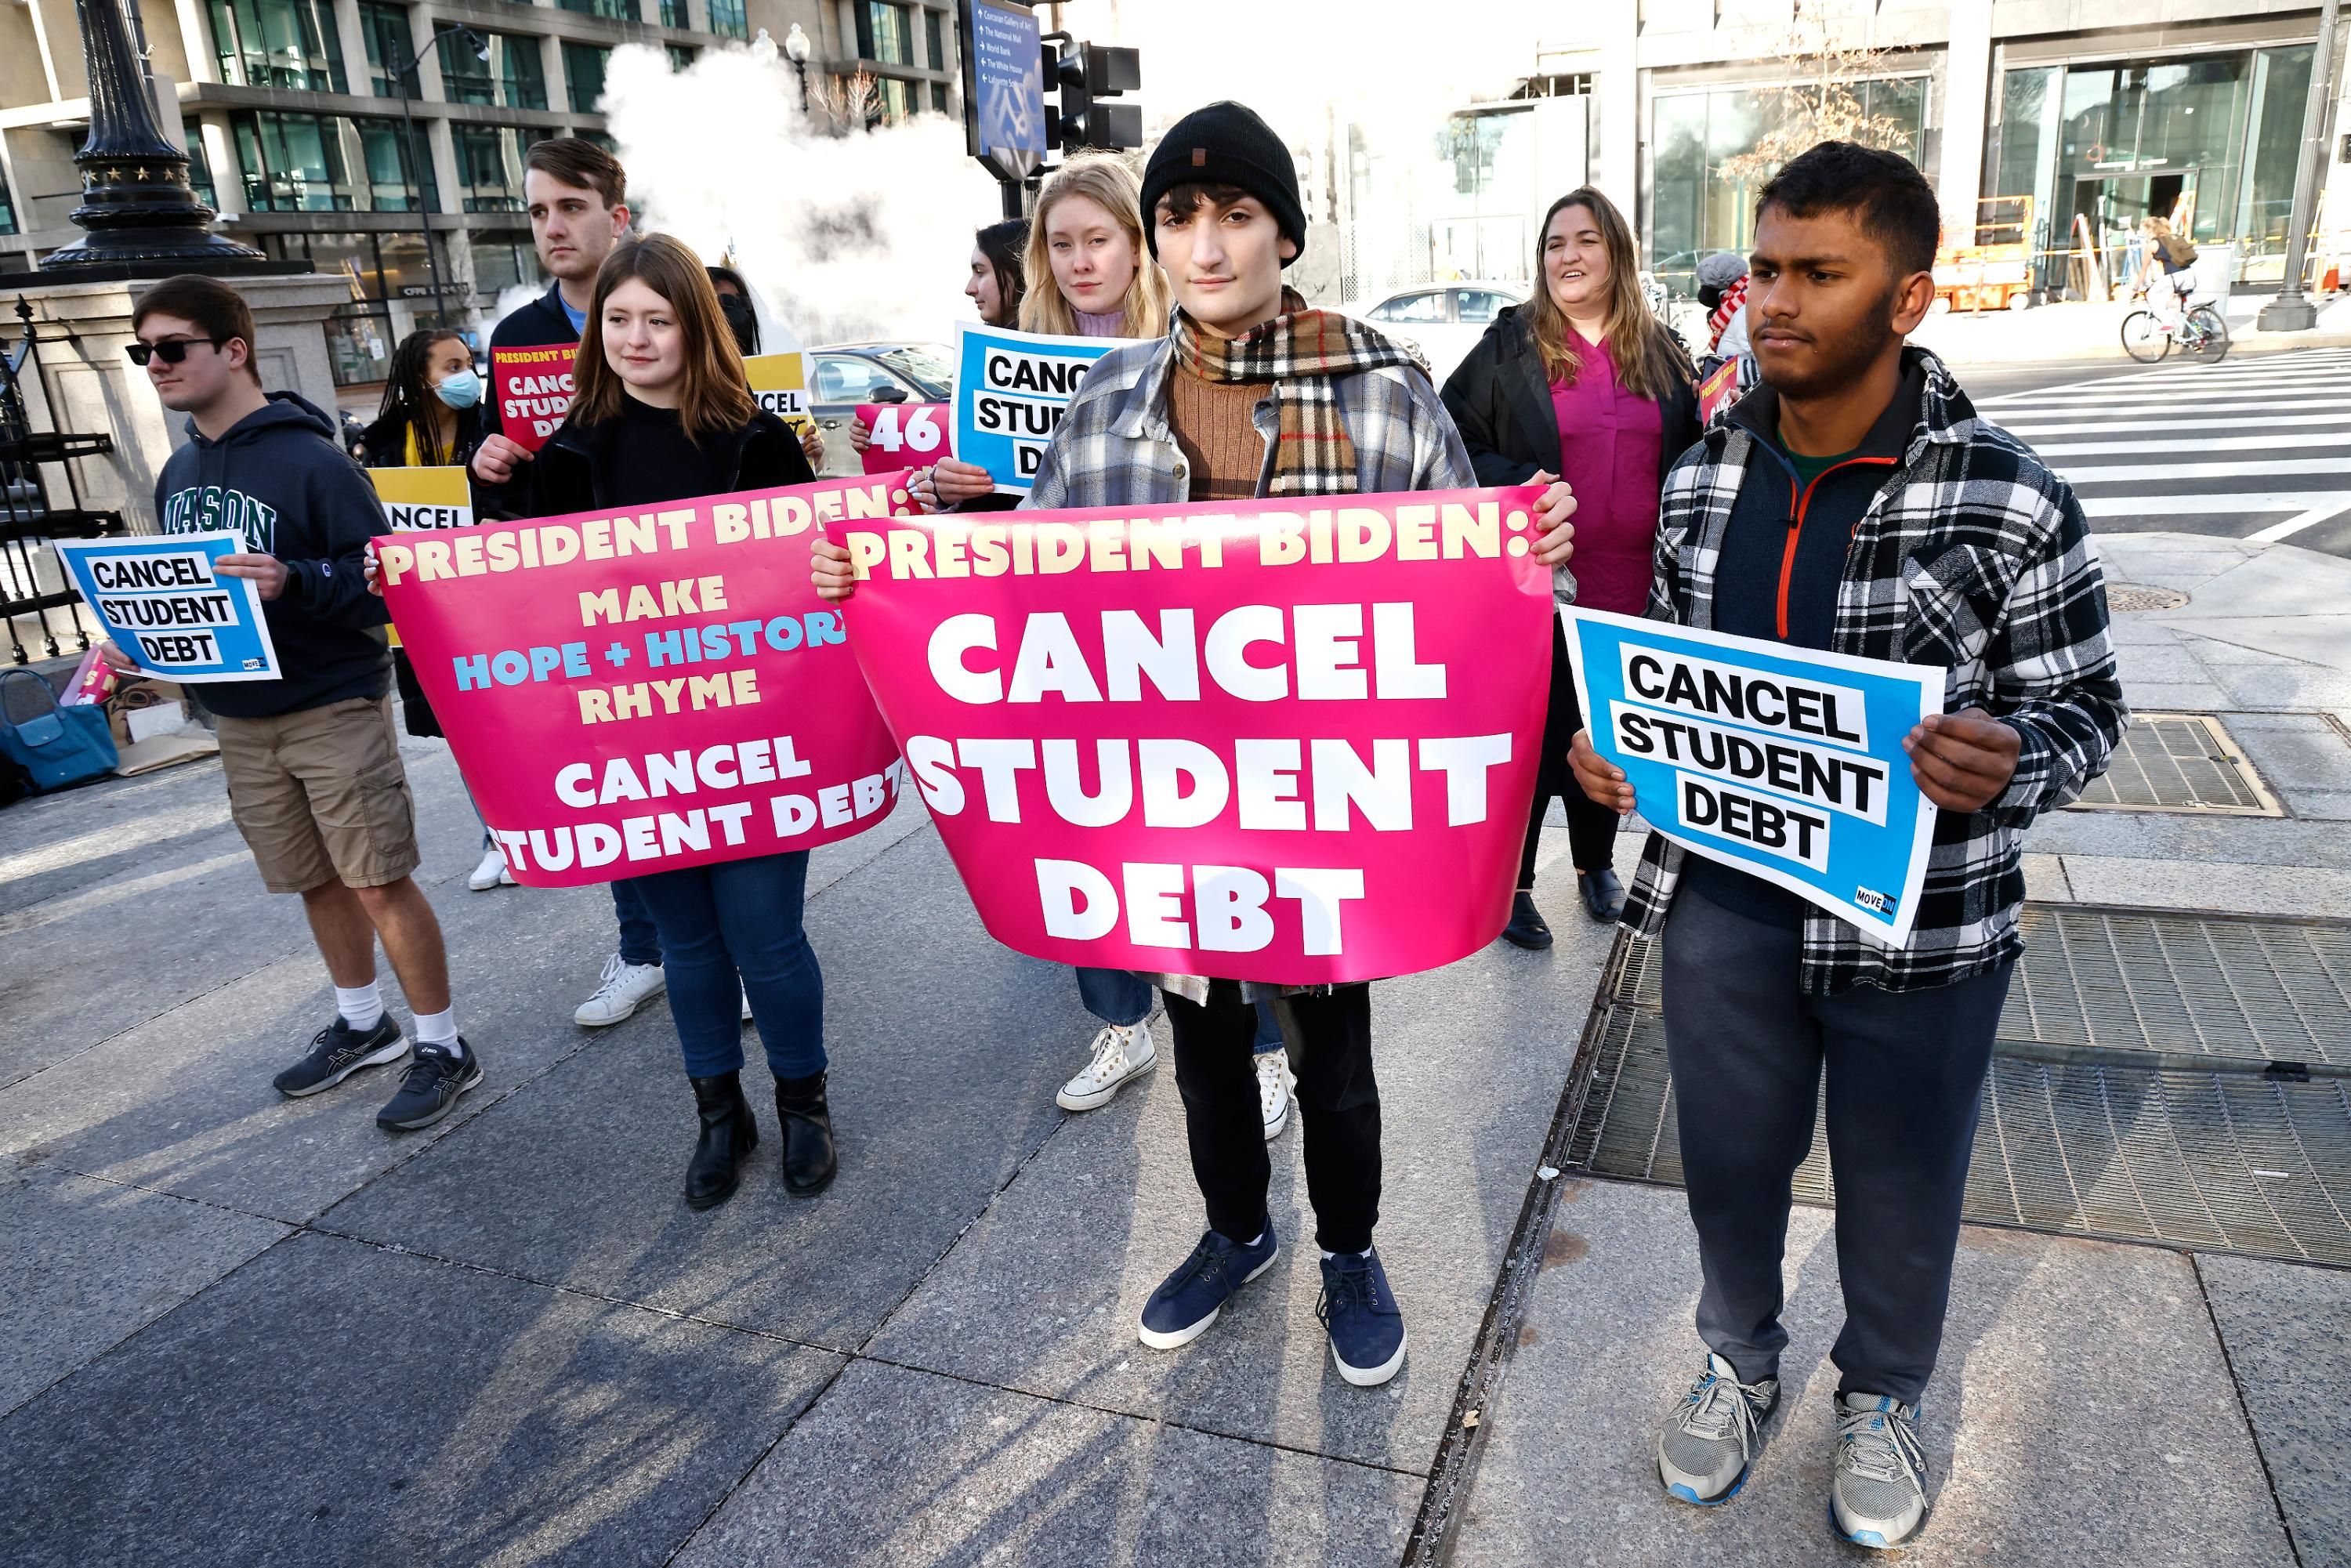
{"type": "Point", "coordinates": [780, 384]}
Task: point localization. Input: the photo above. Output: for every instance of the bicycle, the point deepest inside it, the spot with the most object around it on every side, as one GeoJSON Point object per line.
{"type": "Point", "coordinates": [2201, 333]}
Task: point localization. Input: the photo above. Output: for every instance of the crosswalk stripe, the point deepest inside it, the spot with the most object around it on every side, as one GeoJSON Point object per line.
{"type": "Point", "coordinates": [2182, 376]}
{"type": "Point", "coordinates": [2213, 506]}
{"type": "Point", "coordinates": [2329, 504]}
{"type": "Point", "coordinates": [2177, 396]}
{"type": "Point", "coordinates": [2108, 427]}
{"type": "Point", "coordinates": [2202, 443]}
{"type": "Point", "coordinates": [2185, 406]}
{"type": "Point", "coordinates": [2126, 473]}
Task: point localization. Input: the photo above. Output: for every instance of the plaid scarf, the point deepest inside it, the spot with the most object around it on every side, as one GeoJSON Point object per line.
{"type": "Point", "coordinates": [1302, 353]}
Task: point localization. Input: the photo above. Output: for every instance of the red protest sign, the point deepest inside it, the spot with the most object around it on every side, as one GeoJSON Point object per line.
{"type": "Point", "coordinates": [639, 692]}
{"type": "Point", "coordinates": [1289, 742]}
{"type": "Point", "coordinates": [534, 390]}
{"type": "Point", "coordinates": [906, 435]}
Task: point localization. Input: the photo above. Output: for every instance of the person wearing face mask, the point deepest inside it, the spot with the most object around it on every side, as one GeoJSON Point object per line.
{"type": "Point", "coordinates": [743, 322]}
{"type": "Point", "coordinates": [663, 412]}
{"type": "Point", "coordinates": [1582, 381]}
{"type": "Point", "coordinates": [431, 417]}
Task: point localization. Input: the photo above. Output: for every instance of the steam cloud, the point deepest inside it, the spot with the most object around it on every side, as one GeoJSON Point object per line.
{"type": "Point", "coordinates": [864, 236]}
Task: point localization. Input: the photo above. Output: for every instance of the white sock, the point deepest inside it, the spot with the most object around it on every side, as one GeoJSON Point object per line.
{"type": "Point", "coordinates": [1365, 1253]}
{"type": "Point", "coordinates": [360, 1007]}
{"type": "Point", "coordinates": [438, 1028]}
{"type": "Point", "coordinates": [1254, 1239]}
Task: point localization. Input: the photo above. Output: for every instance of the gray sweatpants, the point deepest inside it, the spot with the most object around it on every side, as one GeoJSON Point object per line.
{"type": "Point", "coordinates": [1906, 1073]}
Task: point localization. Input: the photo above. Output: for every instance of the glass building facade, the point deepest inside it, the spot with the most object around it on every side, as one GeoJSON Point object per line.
{"type": "Point", "coordinates": [278, 43]}
{"type": "Point", "coordinates": [1698, 203]}
{"type": "Point", "coordinates": [2207, 141]}
{"type": "Point", "coordinates": [512, 76]}
{"type": "Point", "coordinates": [327, 163]}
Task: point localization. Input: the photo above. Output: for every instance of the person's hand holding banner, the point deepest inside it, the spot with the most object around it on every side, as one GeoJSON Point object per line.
{"type": "Point", "coordinates": [1010, 391]}
{"type": "Point", "coordinates": [636, 692]}
{"type": "Point", "coordinates": [1786, 763]}
{"type": "Point", "coordinates": [266, 573]}
{"type": "Point", "coordinates": [1288, 742]}
{"type": "Point", "coordinates": [534, 389]}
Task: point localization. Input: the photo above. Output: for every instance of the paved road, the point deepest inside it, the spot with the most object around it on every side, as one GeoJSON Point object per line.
{"type": "Point", "coordinates": [2258, 447]}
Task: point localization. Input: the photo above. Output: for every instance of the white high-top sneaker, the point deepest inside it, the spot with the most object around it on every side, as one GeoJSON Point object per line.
{"type": "Point", "coordinates": [1123, 1054]}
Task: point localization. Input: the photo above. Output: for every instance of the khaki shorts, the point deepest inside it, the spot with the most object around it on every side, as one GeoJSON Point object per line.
{"type": "Point", "coordinates": [320, 795]}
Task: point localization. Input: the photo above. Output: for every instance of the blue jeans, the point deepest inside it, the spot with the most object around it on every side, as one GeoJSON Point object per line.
{"type": "Point", "coordinates": [1123, 998]}
{"type": "Point", "coordinates": [730, 930]}
{"type": "Point", "coordinates": [639, 943]}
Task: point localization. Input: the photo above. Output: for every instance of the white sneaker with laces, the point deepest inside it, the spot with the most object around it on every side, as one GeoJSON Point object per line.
{"type": "Point", "coordinates": [490, 873]}
{"type": "Point", "coordinates": [1273, 1081]}
{"type": "Point", "coordinates": [626, 986]}
{"type": "Point", "coordinates": [1122, 1052]}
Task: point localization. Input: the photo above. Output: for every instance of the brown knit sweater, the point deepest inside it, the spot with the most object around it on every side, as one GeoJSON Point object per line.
{"type": "Point", "coordinates": [1210, 421]}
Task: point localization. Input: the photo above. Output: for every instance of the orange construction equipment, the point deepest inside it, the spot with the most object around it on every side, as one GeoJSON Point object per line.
{"type": "Point", "coordinates": [1994, 271]}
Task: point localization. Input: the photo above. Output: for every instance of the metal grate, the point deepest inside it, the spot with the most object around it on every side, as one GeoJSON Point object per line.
{"type": "Point", "coordinates": [2180, 762]}
{"type": "Point", "coordinates": [2137, 1089]}
{"type": "Point", "coordinates": [2127, 598]}
{"type": "Point", "coordinates": [2226, 1162]}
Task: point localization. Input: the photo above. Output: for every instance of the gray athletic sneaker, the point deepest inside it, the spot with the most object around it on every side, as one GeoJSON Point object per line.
{"type": "Point", "coordinates": [1879, 1496]}
{"type": "Point", "coordinates": [1711, 1438]}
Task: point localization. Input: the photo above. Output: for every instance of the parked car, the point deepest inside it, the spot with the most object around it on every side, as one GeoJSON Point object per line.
{"type": "Point", "coordinates": [1443, 320]}
{"type": "Point", "coordinates": [843, 375]}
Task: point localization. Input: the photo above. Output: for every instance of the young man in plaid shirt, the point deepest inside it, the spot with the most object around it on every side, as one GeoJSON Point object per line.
{"type": "Point", "coordinates": [1253, 394]}
{"type": "Point", "coordinates": [1855, 503]}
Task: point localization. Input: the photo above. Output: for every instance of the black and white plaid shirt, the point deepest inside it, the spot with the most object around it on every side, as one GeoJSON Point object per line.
{"type": "Point", "coordinates": [1972, 556]}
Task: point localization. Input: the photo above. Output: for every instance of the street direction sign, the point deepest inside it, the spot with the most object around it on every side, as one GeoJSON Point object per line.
{"type": "Point", "coordinates": [1004, 88]}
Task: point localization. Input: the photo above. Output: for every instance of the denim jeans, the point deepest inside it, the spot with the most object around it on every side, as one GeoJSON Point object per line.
{"type": "Point", "coordinates": [1123, 998]}
{"type": "Point", "coordinates": [639, 943]}
{"type": "Point", "coordinates": [730, 930]}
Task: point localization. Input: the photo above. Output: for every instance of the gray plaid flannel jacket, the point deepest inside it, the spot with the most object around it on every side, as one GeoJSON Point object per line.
{"type": "Point", "coordinates": [1113, 448]}
{"type": "Point", "coordinates": [1973, 556]}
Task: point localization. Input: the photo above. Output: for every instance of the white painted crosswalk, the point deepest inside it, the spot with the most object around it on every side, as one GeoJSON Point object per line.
{"type": "Point", "coordinates": [2257, 447]}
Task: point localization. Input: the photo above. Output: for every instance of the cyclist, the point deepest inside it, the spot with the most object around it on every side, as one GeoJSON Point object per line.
{"type": "Point", "coordinates": [2168, 255]}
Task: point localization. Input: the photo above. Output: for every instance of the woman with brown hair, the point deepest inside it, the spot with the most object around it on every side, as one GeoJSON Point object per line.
{"type": "Point", "coordinates": [1582, 382]}
{"type": "Point", "coordinates": [663, 412]}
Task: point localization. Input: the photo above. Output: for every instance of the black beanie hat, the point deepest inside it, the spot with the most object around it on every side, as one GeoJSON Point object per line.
{"type": "Point", "coordinates": [1226, 144]}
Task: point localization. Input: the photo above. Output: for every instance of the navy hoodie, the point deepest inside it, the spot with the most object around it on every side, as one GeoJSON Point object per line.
{"type": "Point", "coordinates": [279, 478]}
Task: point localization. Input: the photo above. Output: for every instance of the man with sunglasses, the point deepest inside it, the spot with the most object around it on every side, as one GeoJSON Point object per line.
{"type": "Point", "coordinates": [311, 759]}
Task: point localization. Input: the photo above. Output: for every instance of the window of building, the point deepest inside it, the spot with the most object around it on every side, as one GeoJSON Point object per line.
{"type": "Point", "coordinates": [680, 56]}
{"type": "Point", "coordinates": [502, 262]}
{"type": "Point", "coordinates": [489, 165]}
{"type": "Point", "coordinates": [614, 10]}
{"type": "Point", "coordinates": [200, 169]}
{"type": "Point", "coordinates": [278, 43]}
{"type": "Point", "coordinates": [318, 163]}
{"type": "Point", "coordinates": [511, 76]}
{"type": "Point", "coordinates": [1698, 207]}
{"type": "Point", "coordinates": [2208, 142]}
{"type": "Point", "coordinates": [395, 284]}
{"type": "Point", "coordinates": [390, 48]}
{"type": "Point", "coordinates": [583, 68]}
{"type": "Point", "coordinates": [726, 19]}
{"type": "Point", "coordinates": [897, 99]}
{"type": "Point", "coordinates": [935, 32]}
{"type": "Point", "coordinates": [7, 209]}
{"type": "Point", "coordinates": [885, 33]}
{"type": "Point", "coordinates": [672, 14]}
{"type": "Point", "coordinates": [938, 98]}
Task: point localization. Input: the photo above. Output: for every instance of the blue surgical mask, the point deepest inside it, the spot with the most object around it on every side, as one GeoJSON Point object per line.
{"type": "Point", "coordinates": [463, 390]}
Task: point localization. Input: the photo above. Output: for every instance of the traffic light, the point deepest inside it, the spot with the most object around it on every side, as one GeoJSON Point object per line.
{"type": "Point", "coordinates": [1085, 74]}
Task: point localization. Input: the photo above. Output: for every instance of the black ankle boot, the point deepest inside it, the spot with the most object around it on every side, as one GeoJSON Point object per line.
{"type": "Point", "coordinates": [809, 1159]}
{"type": "Point", "coordinates": [728, 1133]}
{"type": "Point", "coordinates": [1526, 928]}
{"type": "Point", "coordinates": [1603, 896]}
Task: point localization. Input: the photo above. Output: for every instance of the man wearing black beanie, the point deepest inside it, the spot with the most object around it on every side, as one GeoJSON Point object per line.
{"type": "Point", "coordinates": [1253, 394]}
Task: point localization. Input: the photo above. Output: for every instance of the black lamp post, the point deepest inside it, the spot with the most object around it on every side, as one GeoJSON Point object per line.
{"type": "Point", "coordinates": [796, 49]}
{"type": "Point", "coordinates": [417, 155]}
{"type": "Point", "coordinates": [140, 217]}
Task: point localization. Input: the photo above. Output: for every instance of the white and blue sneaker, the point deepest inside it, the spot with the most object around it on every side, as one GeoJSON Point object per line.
{"type": "Point", "coordinates": [1361, 1315]}
{"type": "Point", "coordinates": [1878, 1499]}
{"type": "Point", "coordinates": [1188, 1301]}
{"type": "Point", "coordinates": [1709, 1441]}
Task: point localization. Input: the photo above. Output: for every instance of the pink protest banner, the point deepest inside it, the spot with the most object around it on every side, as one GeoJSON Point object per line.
{"type": "Point", "coordinates": [1294, 742]}
{"type": "Point", "coordinates": [906, 435]}
{"type": "Point", "coordinates": [534, 390]}
{"type": "Point", "coordinates": [644, 691]}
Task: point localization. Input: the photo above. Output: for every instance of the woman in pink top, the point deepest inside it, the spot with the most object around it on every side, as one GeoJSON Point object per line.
{"type": "Point", "coordinates": [1585, 383]}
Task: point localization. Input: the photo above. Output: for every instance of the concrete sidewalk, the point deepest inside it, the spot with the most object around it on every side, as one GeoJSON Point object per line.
{"type": "Point", "coordinates": [248, 1330]}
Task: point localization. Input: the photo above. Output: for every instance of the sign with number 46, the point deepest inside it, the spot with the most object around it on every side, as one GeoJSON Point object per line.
{"type": "Point", "coordinates": [906, 435]}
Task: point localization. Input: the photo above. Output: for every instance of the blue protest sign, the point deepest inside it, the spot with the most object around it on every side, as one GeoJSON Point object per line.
{"type": "Point", "coordinates": [1007, 86]}
{"type": "Point", "coordinates": [1011, 390]}
{"type": "Point", "coordinates": [1783, 762]}
{"type": "Point", "coordinates": [160, 599]}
